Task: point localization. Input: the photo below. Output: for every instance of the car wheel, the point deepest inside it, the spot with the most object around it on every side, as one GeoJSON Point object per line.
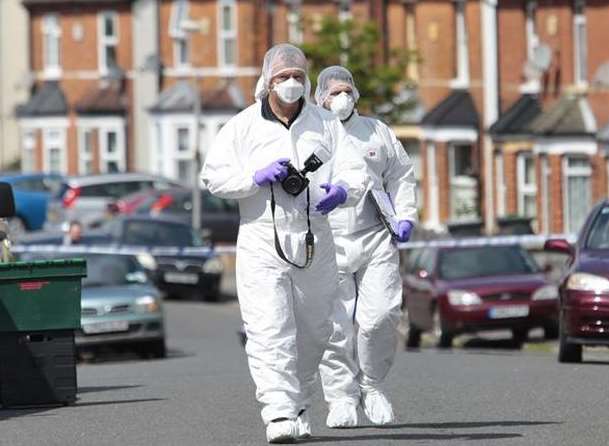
{"type": "Point", "coordinates": [16, 228]}
{"type": "Point", "coordinates": [550, 331]}
{"type": "Point", "coordinates": [444, 339]}
{"type": "Point", "coordinates": [519, 336]}
{"type": "Point", "coordinates": [568, 352]}
{"type": "Point", "coordinates": [414, 337]}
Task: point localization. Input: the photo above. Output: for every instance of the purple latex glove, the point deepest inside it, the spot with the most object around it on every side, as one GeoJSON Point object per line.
{"type": "Point", "coordinates": [405, 228]}
{"type": "Point", "coordinates": [335, 196]}
{"type": "Point", "coordinates": [276, 171]}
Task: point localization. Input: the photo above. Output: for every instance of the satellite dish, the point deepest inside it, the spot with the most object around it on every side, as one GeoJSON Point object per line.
{"type": "Point", "coordinates": [542, 56]}
{"type": "Point", "coordinates": [539, 63]}
{"type": "Point", "coordinates": [601, 77]}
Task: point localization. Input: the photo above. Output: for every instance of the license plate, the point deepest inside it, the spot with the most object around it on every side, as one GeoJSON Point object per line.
{"type": "Point", "coordinates": [105, 327]}
{"type": "Point", "coordinates": [184, 278]}
{"type": "Point", "coordinates": [509, 312]}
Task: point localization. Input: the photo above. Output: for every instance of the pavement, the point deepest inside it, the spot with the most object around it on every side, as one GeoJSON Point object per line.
{"type": "Point", "coordinates": [483, 393]}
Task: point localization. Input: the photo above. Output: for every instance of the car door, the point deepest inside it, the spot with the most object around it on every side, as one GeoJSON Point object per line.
{"type": "Point", "coordinates": [30, 201]}
{"type": "Point", "coordinates": [219, 217]}
{"type": "Point", "coordinates": [418, 287]}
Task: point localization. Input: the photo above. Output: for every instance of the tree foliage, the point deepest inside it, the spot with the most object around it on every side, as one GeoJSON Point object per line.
{"type": "Point", "coordinates": [355, 45]}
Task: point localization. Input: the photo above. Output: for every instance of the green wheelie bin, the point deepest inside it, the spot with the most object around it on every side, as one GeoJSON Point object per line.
{"type": "Point", "coordinates": [39, 311]}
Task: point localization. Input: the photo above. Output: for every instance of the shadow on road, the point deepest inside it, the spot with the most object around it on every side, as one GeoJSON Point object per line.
{"type": "Point", "coordinates": [413, 437]}
{"type": "Point", "coordinates": [465, 425]}
{"type": "Point", "coordinates": [108, 355]}
{"type": "Point", "coordinates": [95, 389]}
{"type": "Point", "coordinates": [113, 402]}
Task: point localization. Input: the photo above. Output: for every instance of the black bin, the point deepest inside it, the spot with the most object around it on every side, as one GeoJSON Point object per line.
{"type": "Point", "coordinates": [37, 368]}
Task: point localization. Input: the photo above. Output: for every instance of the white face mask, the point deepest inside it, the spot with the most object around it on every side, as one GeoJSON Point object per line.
{"type": "Point", "coordinates": [289, 91]}
{"type": "Point", "coordinates": [342, 105]}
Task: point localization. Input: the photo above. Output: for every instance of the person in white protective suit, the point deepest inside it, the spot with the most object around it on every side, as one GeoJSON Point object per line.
{"type": "Point", "coordinates": [362, 347]}
{"type": "Point", "coordinates": [285, 308]}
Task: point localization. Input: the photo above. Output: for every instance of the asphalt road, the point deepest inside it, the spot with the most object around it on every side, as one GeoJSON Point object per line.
{"type": "Point", "coordinates": [202, 395]}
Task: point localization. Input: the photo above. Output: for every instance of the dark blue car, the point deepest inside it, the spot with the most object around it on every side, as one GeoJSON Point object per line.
{"type": "Point", "coordinates": [32, 192]}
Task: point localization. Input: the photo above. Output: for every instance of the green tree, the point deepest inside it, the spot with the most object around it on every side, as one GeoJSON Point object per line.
{"type": "Point", "coordinates": [355, 45]}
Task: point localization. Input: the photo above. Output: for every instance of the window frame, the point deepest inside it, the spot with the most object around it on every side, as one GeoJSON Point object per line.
{"type": "Point", "coordinates": [462, 75]}
{"type": "Point", "coordinates": [104, 42]}
{"type": "Point", "coordinates": [83, 156]}
{"type": "Point", "coordinates": [119, 156]}
{"type": "Point", "coordinates": [580, 46]}
{"type": "Point", "coordinates": [180, 10]}
{"type": "Point", "coordinates": [525, 189]}
{"type": "Point", "coordinates": [48, 145]}
{"type": "Point", "coordinates": [28, 147]}
{"type": "Point", "coordinates": [224, 35]}
{"type": "Point", "coordinates": [51, 31]}
{"type": "Point", "coordinates": [567, 172]}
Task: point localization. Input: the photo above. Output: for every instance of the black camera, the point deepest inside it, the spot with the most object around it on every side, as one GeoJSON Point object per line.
{"type": "Point", "coordinates": [296, 181]}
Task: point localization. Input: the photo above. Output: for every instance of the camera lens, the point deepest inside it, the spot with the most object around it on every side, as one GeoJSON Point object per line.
{"type": "Point", "coordinates": [292, 184]}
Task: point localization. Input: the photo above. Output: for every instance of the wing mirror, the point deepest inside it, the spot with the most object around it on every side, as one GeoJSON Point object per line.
{"type": "Point", "coordinates": [558, 245]}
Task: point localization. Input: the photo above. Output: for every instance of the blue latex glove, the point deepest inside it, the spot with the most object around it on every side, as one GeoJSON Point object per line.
{"type": "Point", "coordinates": [335, 196]}
{"type": "Point", "coordinates": [405, 228]}
{"type": "Point", "coordinates": [276, 171]}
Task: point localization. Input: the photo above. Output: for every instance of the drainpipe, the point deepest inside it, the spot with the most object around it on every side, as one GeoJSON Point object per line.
{"type": "Point", "coordinates": [488, 17]}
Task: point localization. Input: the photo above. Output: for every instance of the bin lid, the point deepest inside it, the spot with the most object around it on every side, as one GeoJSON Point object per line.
{"type": "Point", "coordinates": [43, 268]}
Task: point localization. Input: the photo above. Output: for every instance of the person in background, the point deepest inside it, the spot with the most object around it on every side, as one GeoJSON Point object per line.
{"type": "Point", "coordinates": [362, 347]}
{"type": "Point", "coordinates": [285, 307]}
{"type": "Point", "coordinates": [73, 235]}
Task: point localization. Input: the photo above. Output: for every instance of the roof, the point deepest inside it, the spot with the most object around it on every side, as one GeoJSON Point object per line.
{"type": "Point", "coordinates": [105, 100]}
{"type": "Point", "coordinates": [456, 110]}
{"type": "Point", "coordinates": [571, 115]}
{"type": "Point", "coordinates": [516, 119]}
{"type": "Point", "coordinates": [180, 98]}
{"type": "Point", "coordinates": [47, 100]}
{"type": "Point", "coordinates": [603, 134]}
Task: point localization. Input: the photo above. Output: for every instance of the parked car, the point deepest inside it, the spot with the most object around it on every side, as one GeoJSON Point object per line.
{"type": "Point", "coordinates": [584, 286]}
{"type": "Point", "coordinates": [180, 262]}
{"type": "Point", "coordinates": [219, 217]}
{"type": "Point", "coordinates": [460, 289]}
{"type": "Point", "coordinates": [119, 306]}
{"type": "Point", "coordinates": [128, 204]}
{"type": "Point", "coordinates": [86, 198]}
{"type": "Point", "coordinates": [32, 192]}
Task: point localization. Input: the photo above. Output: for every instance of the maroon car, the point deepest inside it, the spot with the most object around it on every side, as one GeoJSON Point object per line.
{"type": "Point", "coordinates": [460, 289]}
{"type": "Point", "coordinates": [584, 288]}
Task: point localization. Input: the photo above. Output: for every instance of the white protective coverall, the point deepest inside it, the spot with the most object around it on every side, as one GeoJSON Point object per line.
{"type": "Point", "coordinates": [286, 311]}
{"type": "Point", "coordinates": [363, 344]}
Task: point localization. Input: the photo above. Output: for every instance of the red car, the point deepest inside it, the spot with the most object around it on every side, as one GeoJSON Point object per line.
{"type": "Point", "coordinates": [584, 288]}
{"type": "Point", "coordinates": [462, 289]}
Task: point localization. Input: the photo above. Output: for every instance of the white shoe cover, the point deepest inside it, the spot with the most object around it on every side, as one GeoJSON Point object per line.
{"type": "Point", "coordinates": [342, 414]}
{"type": "Point", "coordinates": [304, 425]}
{"type": "Point", "coordinates": [282, 431]}
{"type": "Point", "coordinates": [377, 407]}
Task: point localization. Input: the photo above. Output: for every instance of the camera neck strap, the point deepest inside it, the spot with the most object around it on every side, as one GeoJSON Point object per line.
{"type": "Point", "coordinates": [309, 239]}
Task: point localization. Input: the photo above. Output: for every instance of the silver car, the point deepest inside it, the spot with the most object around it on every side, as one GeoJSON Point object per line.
{"type": "Point", "coordinates": [86, 198]}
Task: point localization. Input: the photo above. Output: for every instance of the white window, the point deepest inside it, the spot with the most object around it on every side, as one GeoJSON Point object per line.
{"type": "Point", "coordinates": [463, 186]}
{"type": "Point", "coordinates": [112, 150]}
{"type": "Point", "coordinates": [183, 154]}
{"type": "Point", "coordinates": [461, 56]}
{"type": "Point", "coordinates": [294, 22]}
{"type": "Point", "coordinates": [227, 36]}
{"type": "Point", "coordinates": [581, 43]}
{"type": "Point", "coordinates": [51, 33]}
{"type": "Point", "coordinates": [85, 152]}
{"type": "Point", "coordinates": [413, 149]}
{"type": "Point", "coordinates": [108, 40]}
{"type": "Point", "coordinates": [54, 140]}
{"type": "Point", "coordinates": [28, 155]}
{"type": "Point", "coordinates": [531, 28]}
{"type": "Point", "coordinates": [181, 50]}
{"type": "Point", "coordinates": [527, 185]}
{"type": "Point", "coordinates": [577, 191]}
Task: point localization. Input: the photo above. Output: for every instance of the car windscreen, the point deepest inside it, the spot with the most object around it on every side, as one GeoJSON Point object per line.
{"type": "Point", "coordinates": [599, 231]}
{"type": "Point", "coordinates": [102, 269]}
{"type": "Point", "coordinates": [153, 233]}
{"type": "Point", "coordinates": [485, 261]}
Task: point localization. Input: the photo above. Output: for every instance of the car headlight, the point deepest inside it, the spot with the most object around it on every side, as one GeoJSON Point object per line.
{"type": "Point", "coordinates": [588, 282]}
{"type": "Point", "coordinates": [461, 297]}
{"type": "Point", "coordinates": [147, 261]}
{"type": "Point", "coordinates": [548, 292]}
{"type": "Point", "coordinates": [213, 266]}
{"type": "Point", "coordinates": [147, 304]}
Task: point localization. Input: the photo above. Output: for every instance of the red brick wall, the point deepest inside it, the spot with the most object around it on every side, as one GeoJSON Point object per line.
{"type": "Point", "coordinates": [512, 53]}
{"type": "Point", "coordinates": [556, 193]}
{"type": "Point", "coordinates": [443, 181]}
{"type": "Point", "coordinates": [511, 183]}
{"type": "Point", "coordinates": [425, 183]}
